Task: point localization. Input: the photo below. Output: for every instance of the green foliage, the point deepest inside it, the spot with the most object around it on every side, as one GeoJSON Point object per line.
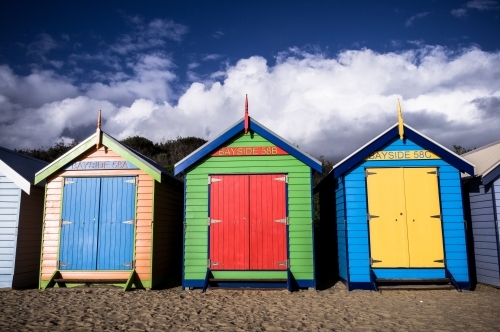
{"type": "Point", "coordinates": [317, 177]}
{"type": "Point", "coordinates": [461, 150]}
{"type": "Point", "coordinates": [50, 154]}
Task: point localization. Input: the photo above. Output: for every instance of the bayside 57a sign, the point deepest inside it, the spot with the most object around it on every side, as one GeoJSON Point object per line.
{"type": "Point", "coordinates": [249, 151]}
{"type": "Point", "coordinates": [402, 155]}
{"type": "Point", "coordinates": [100, 165]}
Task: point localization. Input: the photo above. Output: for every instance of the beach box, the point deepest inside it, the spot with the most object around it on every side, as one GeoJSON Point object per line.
{"type": "Point", "coordinates": [21, 211]}
{"type": "Point", "coordinates": [248, 211]}
{"type": "Point", "coordinates": [111, 216]}
{"type": "Point", "coordinates": [482, 194]}
{"type": "Point", "coordinates": [396, 210]}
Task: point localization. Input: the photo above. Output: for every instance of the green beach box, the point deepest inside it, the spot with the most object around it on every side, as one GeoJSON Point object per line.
{"type": "Point", "coordinates": [248, 211]}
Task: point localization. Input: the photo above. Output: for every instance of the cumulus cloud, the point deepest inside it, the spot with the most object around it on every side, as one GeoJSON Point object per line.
{"type": "Point", "coordinates": [481, 5]}
{"type": "Point", "coordinates": [326, 105]}
{"type": "Point", "coordinates": [409, 22]}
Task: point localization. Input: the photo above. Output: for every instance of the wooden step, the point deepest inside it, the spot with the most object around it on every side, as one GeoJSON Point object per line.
{"type": "Point", "coordinates": [412, 281]}
{"type": "Point", "coordinates": [91, 281]}
{"type": "Point", "coordinates": [246, 280]}
{"type": "Point", "coordinates": [416, 287]}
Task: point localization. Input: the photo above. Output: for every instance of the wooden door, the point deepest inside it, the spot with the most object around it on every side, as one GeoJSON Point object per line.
{"type": "Point", "coordinates": [79, 224]}
{"type": "Point", "coordinates": [425, 235]}
{"type": "Point", "coordinates": [116, 224]}
{"type": "Point", "coordinates": [268, 250]}
{"type": "Point", "coordinates": [387, 217]}
{"type": "Point", "coordinates": [248, 222]}
{"type": "Point", "coordinates": [229, 222]}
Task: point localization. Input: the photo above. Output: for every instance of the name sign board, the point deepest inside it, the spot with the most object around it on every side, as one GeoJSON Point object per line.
{"type": "Point", "coordinates": [403, 155]}
{"type": "Point", "coordinates": [249, 151]}
{"type": "Point", "coordinates": [100, 165]}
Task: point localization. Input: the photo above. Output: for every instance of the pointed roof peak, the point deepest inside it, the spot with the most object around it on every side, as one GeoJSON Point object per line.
{"type": "Point", "coordinates": [246, 114]}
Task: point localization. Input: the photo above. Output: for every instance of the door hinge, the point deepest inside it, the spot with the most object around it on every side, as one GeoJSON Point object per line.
{"type": "Point", "coordinates": [285, 263]}
{"type": "Point", "coordinates": [436, 216]}
{"type": "Point", "coordinates": [210, 263]}
{"type": "Point", "coordinates": [285, 221]}
{"type": "Point", "coordinates": [371, 216]}
{"type": "Point", "coordinates": [66, 182]}
{"type": "Point", "coordinates": [212, 180]}
{"type": "Point", "coordinates": [131, 264]}
{"type": "Point", "coordinates": [374, 261]}
{"type": "Point", "coordinates": [130, 222]}
{"type": "Point", "coordinates": [439, 261]}
{"type": "Point", "coordinates": [368, 173]}
{"type": "Point", "coordinates": [64, 222]}
{"type": "Point", "coordinates": [132, 181]}
{"type": "Point", "coordinates": [60, 264]}
{"type": "Point", "coordinates": [212, 221]}
{"type": "Point", "coordinates": [282, 178]}
{"type": "Point", "coordinates": [434, 172]}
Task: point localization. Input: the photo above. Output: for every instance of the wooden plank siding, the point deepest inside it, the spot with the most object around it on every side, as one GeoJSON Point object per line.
{"type": "Point", "coordinates": [144, 217]}
{"type": "Point", "coordinates": [10, 199]}
{"type": "Point", "coordinates": [167, 231]}
{"type": "Point", "coordinates": [483, 222]}
{"type": "Point", "coordinates": [299, 210]}
{"type": "Point", "coordinates": [29, 238]}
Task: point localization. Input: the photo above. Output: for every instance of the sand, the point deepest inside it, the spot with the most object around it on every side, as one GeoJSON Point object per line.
{"type": "Point", "coordinates": [111, 309]}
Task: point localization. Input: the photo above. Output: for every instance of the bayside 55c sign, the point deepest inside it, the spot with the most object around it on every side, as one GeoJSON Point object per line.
{"type": "Point", "coordinates": [249, 151]}
{"type": "Point", "coordinates": [402, 155]}
{"type": "Point", "coordinates": [100, 165]}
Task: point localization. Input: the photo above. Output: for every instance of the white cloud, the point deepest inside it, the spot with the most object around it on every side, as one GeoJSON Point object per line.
{"type": "Point", "coordinates": [411, 20]}
{"type": "Point", "coordinates": [327, 105]}
{"type": "Point", "coordinates": [481, 5]}
{"type": "Point", "coordinates": [218, 34]}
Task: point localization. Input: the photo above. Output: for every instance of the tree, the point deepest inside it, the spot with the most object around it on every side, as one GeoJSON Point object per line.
{"type": "Point", "coordinates": [461, 150]}
{"type": "Point", "coordinates": [50, 154]}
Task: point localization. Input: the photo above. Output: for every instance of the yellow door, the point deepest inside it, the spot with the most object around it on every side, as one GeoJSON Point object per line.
{"type": "Point", "coordinates": [425, 235]}
{"type": "Point", "coordinates": [387, 217]}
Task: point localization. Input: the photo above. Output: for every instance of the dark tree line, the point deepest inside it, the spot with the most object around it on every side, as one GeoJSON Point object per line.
{"type": "Point", "coordinates": [166, 153]}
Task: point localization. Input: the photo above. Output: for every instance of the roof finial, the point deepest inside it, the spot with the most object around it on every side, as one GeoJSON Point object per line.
{"type": "Point", "coordinates": [98, 131]}
{"type": "Point", "coordinates": [400, 122]}
{"type": "Point", "coordinates": [246, 114]}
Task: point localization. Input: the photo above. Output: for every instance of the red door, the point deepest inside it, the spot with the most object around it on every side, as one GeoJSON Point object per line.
{"type": "Point", "coordinates": [267, 222]}
{"type": "Point", "coordinates": [229, 232]}
{"type": "Point", "coordinates": [248, 222]}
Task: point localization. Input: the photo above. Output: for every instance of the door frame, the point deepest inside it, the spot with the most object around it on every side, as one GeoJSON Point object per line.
{"type": "Point", "coordinates": [134, 238]}
{"type": "Point", "coordinates": [287, 230]}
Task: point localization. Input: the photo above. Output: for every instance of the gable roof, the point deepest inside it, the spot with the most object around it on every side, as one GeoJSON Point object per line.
{"type": "Point", "coordinates": [142, 162]}
{"type": "Point", "coordinates": [20, 168]}
{"type": "Point", "coordinates": [236, 129]}
{"type": "Point", "coordinates": [487, 161]}
{"type": "Point", "coordinates": [388, 136]}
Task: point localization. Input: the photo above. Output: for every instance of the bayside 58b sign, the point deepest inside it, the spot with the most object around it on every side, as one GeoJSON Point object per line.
{"type": "Point", "coordinates": [249, 151]}
{"type": "Point", "coordinates": [402, 155]}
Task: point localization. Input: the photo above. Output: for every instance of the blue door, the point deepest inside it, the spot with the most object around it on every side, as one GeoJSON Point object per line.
{"type": "Point", "coordinates": [80, 218]}
{"type": "Point", "coordinates": [116, 225]}
{"type": "Point", "coordinates": [97, 224]}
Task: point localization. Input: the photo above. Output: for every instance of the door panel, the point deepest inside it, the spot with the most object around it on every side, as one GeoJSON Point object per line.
{"type": "Point", "coordinates": [268, 249]}
{"type": "Point", "coordinates": [80, 215]}
{"type": "Point", "coordinates": [388, 232]}
{"type": "Point", "coordinates": [116, 224]}
{"type": "Point", "coordinates": [425, 235]}
{"type": "Point", "coordinates": [229, 232]}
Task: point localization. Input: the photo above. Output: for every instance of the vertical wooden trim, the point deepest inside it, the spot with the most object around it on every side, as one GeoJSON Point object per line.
{"type": "Point", "coordinates": [495, 218]}
{"type": "Point", "coordinates": [312, 227]}
{"type": "Point", "coordinates": [134, 259]}
{"type": "Point", "coordinates": [43, 233]}
{"type": "Point", "coordinates": [153, 199]}
{"type": "Point", "coordinates": [347, 233]}
{"type": "Point", "coordinates": [18, 221]}
{"type": "Point", "coordinates": [60, 218]}
{"type": "Point", "coordinates": [184, 233]}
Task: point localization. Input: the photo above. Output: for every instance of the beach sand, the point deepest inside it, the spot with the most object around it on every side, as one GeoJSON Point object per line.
{"type": "Point", "coordinates": [111, 309]}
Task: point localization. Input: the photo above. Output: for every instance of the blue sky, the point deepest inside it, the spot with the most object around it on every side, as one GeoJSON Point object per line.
{"type": "Point", "coordinates": [325, 75]}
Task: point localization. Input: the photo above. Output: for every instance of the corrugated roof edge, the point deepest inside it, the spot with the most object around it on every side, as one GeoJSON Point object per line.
{"type": "Point", "coordinates": [480, 148]}
{"type": "Point", "coordinates": [387, 131]}
{"type": "Point", "coordinates": [232, 131]}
